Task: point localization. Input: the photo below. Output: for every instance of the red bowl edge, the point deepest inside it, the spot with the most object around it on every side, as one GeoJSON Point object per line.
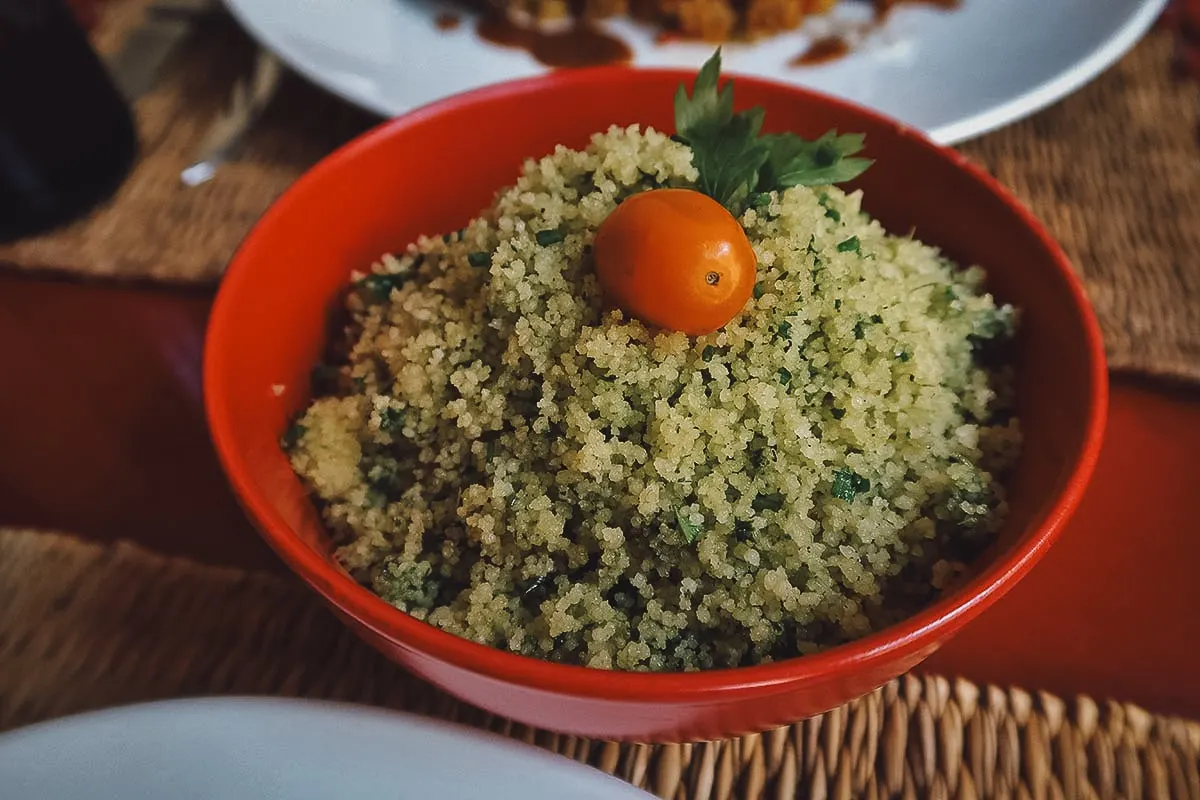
{"type": "Point", "coordinates": [933, 624]}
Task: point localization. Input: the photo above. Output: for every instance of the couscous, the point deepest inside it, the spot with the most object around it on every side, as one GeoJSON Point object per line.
{"type": "Point", "coordinates": [500, 451]}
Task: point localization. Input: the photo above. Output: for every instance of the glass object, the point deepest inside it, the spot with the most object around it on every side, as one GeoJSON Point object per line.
{"type": "Point", "coordinates": [67, 137]}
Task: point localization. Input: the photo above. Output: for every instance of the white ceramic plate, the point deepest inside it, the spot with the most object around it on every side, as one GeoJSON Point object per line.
{"type": "Point", "coordinates": [269, 749]}
{"type": "Point", "coordinates": [952, 74]}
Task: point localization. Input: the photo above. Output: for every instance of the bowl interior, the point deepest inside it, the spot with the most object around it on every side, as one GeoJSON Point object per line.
{"type": "Point", "coordinates": [431, 171]}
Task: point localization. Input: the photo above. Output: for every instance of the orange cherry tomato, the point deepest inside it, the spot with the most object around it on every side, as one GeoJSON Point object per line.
{"type": "Point", "coordinates": [676, 259]}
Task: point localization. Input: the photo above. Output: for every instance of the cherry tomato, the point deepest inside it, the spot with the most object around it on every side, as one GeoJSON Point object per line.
{"type": "Point", "coordinates": [676, 259]}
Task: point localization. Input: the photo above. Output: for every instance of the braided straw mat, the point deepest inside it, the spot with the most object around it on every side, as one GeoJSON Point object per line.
{"type": "Point", "coordinates": [1114, 171]}
{"type": "Point", "coordinates": [84, 625]}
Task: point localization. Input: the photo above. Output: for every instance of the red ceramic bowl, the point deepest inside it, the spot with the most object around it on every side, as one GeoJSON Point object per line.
{"type": "Point", "coordinates": [432, 170]}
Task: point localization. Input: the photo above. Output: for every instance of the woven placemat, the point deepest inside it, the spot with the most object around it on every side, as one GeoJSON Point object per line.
{"type": "Point", "coordinates": [1113, 170]}
{"type": "Point", "coordinates": [84, 626]}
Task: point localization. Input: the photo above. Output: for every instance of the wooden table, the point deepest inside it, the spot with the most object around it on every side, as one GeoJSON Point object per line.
{"type": "Point", "coordinates": [102, 434]}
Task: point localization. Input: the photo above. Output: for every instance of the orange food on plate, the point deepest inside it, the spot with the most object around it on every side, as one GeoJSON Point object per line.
{"type": "Point", "coordinates": [710, 20]}
{"type": "Point", "coordinates": [677, 259]}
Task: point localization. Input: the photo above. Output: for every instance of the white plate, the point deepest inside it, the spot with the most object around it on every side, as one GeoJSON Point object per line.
{"type": "Point", "coordinates": [952, 74]}
{"type": "Point", "coordinates": [268, 749]}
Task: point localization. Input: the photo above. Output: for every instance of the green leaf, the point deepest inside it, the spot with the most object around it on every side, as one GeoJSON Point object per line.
{"type": "Point", "coordinates": [767, 502]}
{"type": "Point", "coordinates": [708, 109]}
{"type": "Point", "coordinates": [847, 484]}
{"type": "Point", "coordinates": [851, 245]}
{"type": "Point", "coordinates": [391, 420]}
{"type": "Point", "coordinates": [794, 161]}
{"type": "Point", "coordinates": [292, 436]}
{"type": "Point", "coordinates": [547, 238]}
{"type": "Point", "coordinates": [479, 259]}
{"type": "Point", "coordinates": [690, 530]}
{"type": "Point", "coordinates": [728, 159]}
{"type": "Point", "coordinates": [785, 376]}
{"type": "Point", "coordinates": [737, 165]}
{"type": "Point", "coordinates": [759, 200]}
{"type": "Point", "coordinates": [379, 286]}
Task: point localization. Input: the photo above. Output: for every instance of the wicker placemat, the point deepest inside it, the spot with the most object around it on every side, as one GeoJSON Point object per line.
{"type": "Point", "coordinates": [1114, 171]}
{"type": "Point", "coordinates": [84, 626]}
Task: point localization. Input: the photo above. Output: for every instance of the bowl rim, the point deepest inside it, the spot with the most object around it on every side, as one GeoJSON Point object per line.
{"type": "Point", "coordinates": [946, 614]}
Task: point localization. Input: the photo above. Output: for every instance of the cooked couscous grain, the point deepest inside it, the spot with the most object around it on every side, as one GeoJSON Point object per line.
{"type": "Point", "coordinates": [506, 458]}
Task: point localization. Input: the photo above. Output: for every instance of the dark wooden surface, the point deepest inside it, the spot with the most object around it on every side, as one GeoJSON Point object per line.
{"type": "Point", "coordinates": [102, 434]}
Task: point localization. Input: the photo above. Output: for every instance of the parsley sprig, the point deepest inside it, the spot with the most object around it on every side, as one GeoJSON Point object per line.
{"type": "Point", "coordinates": [736, 160]}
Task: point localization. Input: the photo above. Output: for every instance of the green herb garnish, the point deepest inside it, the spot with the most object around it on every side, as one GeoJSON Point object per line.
{"type": "Point", "coordinates": [847, 484]}
{"type": "Point", "coordinates": [292, 436]}
{"type": "Point", "coordinates": [760, 200]}
{"type": "Point", "coordinates": [735, 160]}
{"type": "Point", "coordinates": [708, 352]}
{"type": "Point", "coordinates": [547, 238]}
{"type": "Point", "coordinates": [785, 376]}
{"type": "Point", "coordinates": [767, 502]}
{"type": "Point", "coordinates": [380, 286]}
{"type": "Point", "coordinates": [391, 420]}
{"type": "Point", "coordinates": [784, 330]}
{"type": "Point", "coordinates": [851, 245]}
{"type": "Point", "coordinates": [689, 530]}
{"type": "Point", "coordinates": [479, 259]}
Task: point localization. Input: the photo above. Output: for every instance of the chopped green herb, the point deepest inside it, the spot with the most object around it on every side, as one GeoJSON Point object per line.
{"type": "Point", "coordinates": [858, 329]}
{"type": "Point", "coordinates": [708, 352]}
{"type": "Point", "coordinates": [547, 238]}
{"type": "Point", "coordinates": [380, 286]}
{"type": "Point", "coordinates": [837, 304]}
{"type": "Point", "coordinates": [767, 502]}
{"type": "Point", "coordinates": [903, 355]}
{"type": "Point", "coordinates": [994, 323]}
{"type": "Point", "coordinates": [760, 200]}
{"type": "Point", "coordinates": [479, 259]}
{"type": "Point", "coordinates": [537, 586]}
{"type": "Point", "coordinates": [391, 420]}
{"type": "Point", "coordinates": [292, 436]}
{"type": "Point", "coordinates": [735, 162]}
{"type": "Point", "coordinates": [837, 413]}
{"type": "Point", "coordinates": [784, 330]}
{"type": "Point", "coordinates": [797, 162]}
{"type": "Point", "coordinates": [847, 484]}
{"type": "Point", "coordinates": [759, 289]}
{"type": "Point", "coordinates": [785, 376]}
{"type": "Point", "coordinates": [851, 245]}
{"type": "Point", "coordinates": [833, 214]}
{"type": "Point", "coordinates": [876, 319]}
{"type": "Point", "coordinates": [690, 530]}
